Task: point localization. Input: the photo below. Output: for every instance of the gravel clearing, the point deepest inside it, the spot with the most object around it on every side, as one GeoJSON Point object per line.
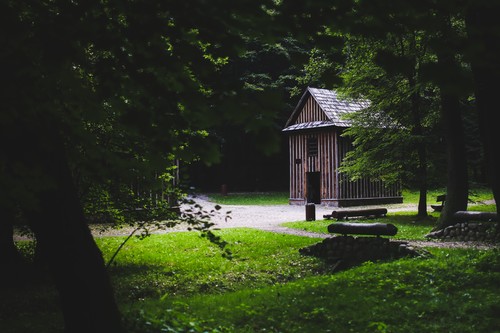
{"type": "Point", "coordinates": [261, 217]}
{"type": "Point", "coordinates": [269, 218]}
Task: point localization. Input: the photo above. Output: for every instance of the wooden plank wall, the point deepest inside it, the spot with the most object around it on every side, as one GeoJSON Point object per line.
{"type": "Point", "coordinates": [297, 150]}
{"type": "Point", "coordinates": [323, 162]}
{"type": "Point", "coordinates": [332, 148]}
{"type": "Point", "coordinates": [334, 185]}
{"type": "Point", "coordinates": [311, 112]}
{"type": "Point", "coordinates": [326, 148]}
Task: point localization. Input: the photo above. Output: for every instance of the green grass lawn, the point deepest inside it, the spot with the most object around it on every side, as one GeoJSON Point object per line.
{"type": "Point", "coordinates": [281, 291]}
{"type": "Point", "coordinates": [409, 227]}
{"type": "Point", "coordinates": [183, 263]}
{"type": "Point", "coordinates": [477, 195]}
{"type": "Point", "coordinates": [179, 282]}
{"type": "Point", "coordinates": [250, 198]}
{"type": "Point", "coordinates": [456, 291]}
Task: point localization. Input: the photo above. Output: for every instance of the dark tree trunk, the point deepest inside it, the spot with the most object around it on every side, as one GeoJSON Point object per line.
{"type": "Point", "coordinates": [423, 187]}
{"type": "Point", "coordinates": [457, 180]}
{"type": "Point", "coordinates": [67, 246]}
{"type": "Point", "coordinates": [483, 27]}
{"type": "Point", "coordinates": [418, 130]}
{"type": "Point", "coordinates": [457, 184]}
{"type": "Point", "coordinates": [421, 150]}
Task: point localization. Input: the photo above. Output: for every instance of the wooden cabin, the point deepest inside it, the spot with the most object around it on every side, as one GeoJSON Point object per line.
{"type": "Point", "coordinates": [316, 150]}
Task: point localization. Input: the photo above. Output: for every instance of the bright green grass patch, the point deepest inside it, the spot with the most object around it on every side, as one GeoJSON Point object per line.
{"type": "Point", "coordinates": [251, 198]}
{"type": "Point", "coordinates": [183, 263]}
{"type": "Point", "coordinates": [409, 227]}
{"type": "Point", "coordinates": [483, 208]}
{"type": "Point", "coordinates": [456, 291]}
{"type": "Point", "coordinates": [179, 282]}
{"type": "Point", "coordinates": [166, 266]}
{"type": "Point", "coordinates": [476, 195]}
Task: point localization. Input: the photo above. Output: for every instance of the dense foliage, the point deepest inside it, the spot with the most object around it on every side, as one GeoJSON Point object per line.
{"type": "Point", "coordinates": [101, 100]}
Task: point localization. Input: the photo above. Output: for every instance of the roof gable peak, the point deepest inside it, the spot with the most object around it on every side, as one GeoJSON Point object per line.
{"type": "Point", "coordinates": [333, 106]}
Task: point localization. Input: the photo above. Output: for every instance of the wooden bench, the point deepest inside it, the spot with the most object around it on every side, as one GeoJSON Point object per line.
{"type": "Point", "coordinates": [376, 229]}
{"type": "Point", "coordinates": [345, 214]}
{"type": "Point", "coordinates": [440, 198]}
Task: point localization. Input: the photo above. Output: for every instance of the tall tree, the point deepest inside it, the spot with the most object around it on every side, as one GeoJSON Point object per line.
{"type": "Point", "coordinates": [442, 26]}
{"type": "Point", "coordinates": [457, 176]}
{"type": "Point", "coordinates": [449, 75]}
{"type": "Point", "coordinates": [443, 22]}
{"type": "Point", "coordinates": [111, 88]}
{"type": "Point", "coordinates": [387, 71]}
{"type": "Point", "coordinates": [483, 30]}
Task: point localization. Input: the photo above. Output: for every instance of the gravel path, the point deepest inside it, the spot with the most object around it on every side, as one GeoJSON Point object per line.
{"type": "Point", "coordinates": [266, 218]}
{"type": "Point", "coordinates": [269, 218]}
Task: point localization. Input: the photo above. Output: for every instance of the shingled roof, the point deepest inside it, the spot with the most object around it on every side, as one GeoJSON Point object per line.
{"type": "Point", "coordinates": [330, 103]}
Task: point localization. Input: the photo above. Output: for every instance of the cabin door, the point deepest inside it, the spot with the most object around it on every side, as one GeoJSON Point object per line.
{"type": "Point", "coordinates": [313, 193]}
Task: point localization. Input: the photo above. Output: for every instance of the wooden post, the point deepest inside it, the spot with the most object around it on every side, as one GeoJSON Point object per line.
{"type": "Point", "coordinates": [310, 212]}
{"type": "Point", "coordinates": [223, 189]}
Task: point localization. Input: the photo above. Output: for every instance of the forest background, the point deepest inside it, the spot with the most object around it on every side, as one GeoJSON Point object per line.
{"type": "Point", "coordinates": [103, 102]}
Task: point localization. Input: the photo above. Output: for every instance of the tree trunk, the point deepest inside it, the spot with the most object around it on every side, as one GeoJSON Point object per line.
{"type": "Point", "coordinates": [377, 229]}
{"type": "Point", "coordinates": [422, 172]}
{"type": "Point", "coordinates": [418, 131]}
{"type": "Point", "coordinates": [483, 29]}
{"type": "Point", "coordinates": [457, 180]}
{"type": "Point", "coordinates": [67, 246]}
{"type": "Point", "coordinates": [421, 152]}
{"type": "Point", "coordinates": [457, 185]}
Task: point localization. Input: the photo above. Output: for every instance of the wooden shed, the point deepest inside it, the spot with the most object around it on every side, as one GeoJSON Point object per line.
{"type": "Point", "coordinates": [316, 150]}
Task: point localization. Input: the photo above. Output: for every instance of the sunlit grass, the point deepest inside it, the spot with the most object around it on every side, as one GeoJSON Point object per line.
{"type": "Point", "coordinates": [179, 282]}
{"type": "Point", "coordinates": [410, 196]}
{"type": "Point", "coordinates": [455, 291]}
{"type": "Point", "coordinates": [183, 263]}
{"type": "Point", "coordinates": [409, 227]}
{"type": "Point", "coordinates": [483, 208]}
{"type": "Point", "coordinates": [251, 198]}
{"type": "Point", "coordinates": [476, 195]}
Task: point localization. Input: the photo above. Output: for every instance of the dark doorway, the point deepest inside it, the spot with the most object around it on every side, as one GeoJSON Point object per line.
{"type": "Point", "coordinates": [313, 181]}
